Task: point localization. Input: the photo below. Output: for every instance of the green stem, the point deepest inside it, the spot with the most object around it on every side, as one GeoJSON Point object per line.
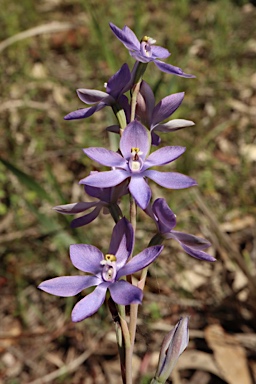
{"type": "Point", "coordinates": [120, 114]}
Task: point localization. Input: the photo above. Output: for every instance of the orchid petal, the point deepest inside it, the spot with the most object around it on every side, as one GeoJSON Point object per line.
{"type": "Point", "coordinates": [71, 209]}
{"type": "Point", "coordinates": [191, 240]}
{"type": "Point", "coordinates": [156, 140]}
{"type": "Point", "coordinates": [90, 303]}
{"type": "Point", "coordinates": [124, 293]}
{"type": "Point", "coordinates": [140, 191]}
{"type": "Point", "coordinates": [140, 261]}
{"type": "Point", "coordinates": [159, 52]}
{"type": "Point", "coordinates": [122, 242]}
{"type": "Point", "coordinates": [66, 286]}
{"type": "Point", "coordinates": [166, 107]}
{"type": "Point", "coordinates": [86, 258]}
{"type": "Point", "coordinates": [105, 179]}
{"type": "Point", "coordinates": [86, 219]}
{"type": "Point", "coordinates": [91, 96]}
{"type": "Point", "coordinates": [168, 68]}
{"type": "Point", "coordinates": [135, 135]}
{"type": "Point", "coordinates": [200, 255]}
{"type": "Point", "coordinates": [105, 157]}
{"type": "Point", "coordinates": [163, 156]}
{"type": "Point", "coordinates": [84, 112]}
{"type": "Point", "coordinates": [172, 180]}
{"type": "Point", "coordinates": [173, 125]}
{"type": "Point", "coordinates": [119, 81]}
{"type": "Point", "coordinates": [126, 36]}
{"type": "Point", "coordinates": [166, 219]}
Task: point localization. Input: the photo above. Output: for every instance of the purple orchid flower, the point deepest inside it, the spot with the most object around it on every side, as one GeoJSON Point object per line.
{"type": "Point", "coordinates": [107, 198]}
{"type": "Point", "coordinates": [116, 86]}
{"type": "Point", "coordinates": [145, 51]}
{"type": "Point", "coordinates": [152, 116]}
{"type": "Point", "coordinates": [132, 163]}
{"type": "Point", "coordinates": [105, 272]}
{"type": "Point", "coordinates": [165, 221]}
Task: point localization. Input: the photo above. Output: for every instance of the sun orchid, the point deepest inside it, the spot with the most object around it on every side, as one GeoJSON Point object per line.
{"type": "Point", "coordinates": [107, 199]}
{"type": "Point", "coordinates": [152, 115]}
{"type": "Point", "coordinates": [133, 163]}
{"type": "Point", "coordinates": [165, 221]}
{"type": "Point", "coordinates": [105, 272]}
{"type": "Point", "coordinates": [145, 51]}
{"type": "Point", "coordinates": [115, 88]}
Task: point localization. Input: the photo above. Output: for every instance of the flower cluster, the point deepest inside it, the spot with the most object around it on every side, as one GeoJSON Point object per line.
{"type": "Point", "coordinates": [139, 120]}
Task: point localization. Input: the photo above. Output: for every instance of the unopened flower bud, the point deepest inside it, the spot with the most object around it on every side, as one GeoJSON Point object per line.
{"type": "Point", "coordinates": [173, 345]}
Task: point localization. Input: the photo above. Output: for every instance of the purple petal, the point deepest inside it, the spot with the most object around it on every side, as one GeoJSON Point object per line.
{"type": "Point", "coordinates": [91, 96]}
{"type": "Point", "coordinates": [172, 180]}
{"type": "Point", "coordinates": [105, 157]}
{"type": "Point", "coordinates": [172, 347]}
{"type": "Point", "coordinates": [155, 138]}
{"type": "Point", "coordinates": [90, 303]}
{"type": "Point", "coordinates": [166, 218]}
{"type": "Point", "coordinates": [166, 107]}
{"type": "Point", "coordinates": [67, 286]}
{"type": "Point", "coordinates": [126, 36]}
{"type": "Point", "coordinates": [71, 209]}
{"type": "Point", "coordinates": [142, 260]}
{"type": "Point", "coordinates": [105, 179]}
{"type": "Point", "coordinates": [163, 156]}
{"type": "Point", "coordinates": [84, 112]}
{"type": "Point", "coordinates": [168, 68]}
{"type": "Point", "coordinates": [173, 125]}
{"type": "Point", "coordinates": [201, 255]}
{"type": "Point", "coordinates": [140, 191]}
{"type": "Point", "coordinates": [122, 242]}
{"type": "Point", "coordinates": [86, 219]}
{"type": "Point", "coordinates": [86, 258]}
{"type": "Point", "coordinates": [124, 293]}
{"type": "Point", "coordinates": [159, 52]}
{"type": "Point", "coordinates": [191, 240]}
{"type": "Point", "coordinates": [135, 135]}
{"type": "Point", "coordinates": [119, 81]}
{"type": "Point", "coordinates": [145, 104]}
{"type": "Point", "coordinates": [113, 128]}
{"type": "Point", "coordinates": [94, 191]}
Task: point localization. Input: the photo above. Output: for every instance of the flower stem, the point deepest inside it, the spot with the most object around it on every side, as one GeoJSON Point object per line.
{"type": "Point", "coordinates": [135, 92]}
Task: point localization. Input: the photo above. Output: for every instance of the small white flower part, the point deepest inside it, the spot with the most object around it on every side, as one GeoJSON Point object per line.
{"type": "Point", "coordinates": [109, 260]}
{"type": "Point", "coordinates": [109, 267]}
{"type": "Point", "coordinates": [135, 159]}
{"type": "Point", "coordinates": [148, 40]}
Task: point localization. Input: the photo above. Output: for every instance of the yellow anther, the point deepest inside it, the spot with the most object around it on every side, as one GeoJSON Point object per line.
{"type": "Point", "coordinates": [110, 257]}
{"type": "Point", "coordinates": [135, 150]}
{"type": "Point", "coordinates": [145, 38]}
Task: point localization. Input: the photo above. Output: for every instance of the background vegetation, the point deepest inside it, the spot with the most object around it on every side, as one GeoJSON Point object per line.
{"type": "Point", "coordinates": [69, 45]}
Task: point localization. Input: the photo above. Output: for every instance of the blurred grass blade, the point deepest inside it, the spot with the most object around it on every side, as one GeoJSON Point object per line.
{"type": "Point", "coordinates": [54, 183]}
{"type": "Point", "coordinates": [27, 180]}
{"type": "Point", "coordinates": [110, 58]}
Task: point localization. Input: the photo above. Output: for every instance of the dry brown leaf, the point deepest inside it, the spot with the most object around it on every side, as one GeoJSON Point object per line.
{"type": "Point", "coordinates": [230, 356]}
{"type": "Point", "coordinates": [199, 361]}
